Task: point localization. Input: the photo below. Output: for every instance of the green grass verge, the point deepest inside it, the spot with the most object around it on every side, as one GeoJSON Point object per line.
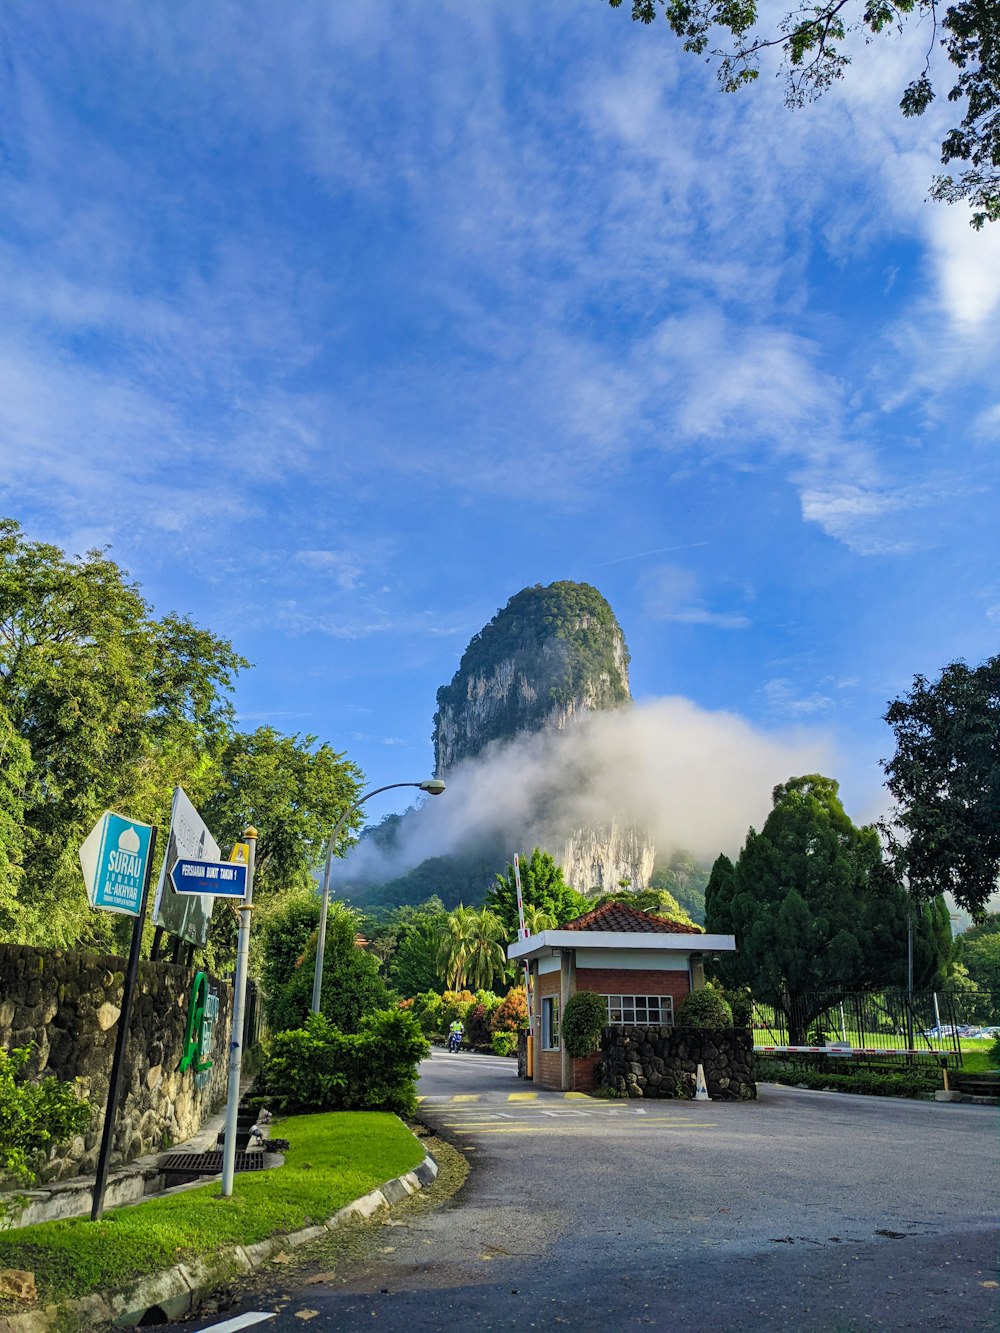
{"type": "Point", "coordinates": [333, 1160]}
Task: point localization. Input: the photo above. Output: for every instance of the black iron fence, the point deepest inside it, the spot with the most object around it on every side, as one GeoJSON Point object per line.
{"type": "Point", "coordinates": [887, 1026]}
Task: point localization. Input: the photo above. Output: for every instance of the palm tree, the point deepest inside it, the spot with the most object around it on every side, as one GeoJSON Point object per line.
{"type": "Point", "coordinates": [536, 920]}
{"type": "Point", "coordinates": [453, 954]}
{"type": "Point", "coordinates": [487, 957]}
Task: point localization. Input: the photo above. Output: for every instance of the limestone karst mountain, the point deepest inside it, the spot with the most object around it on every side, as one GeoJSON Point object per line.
{"type": "Point", "coordinates": [550, 656]}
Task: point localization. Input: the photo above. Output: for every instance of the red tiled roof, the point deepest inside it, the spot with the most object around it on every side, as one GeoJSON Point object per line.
{"type": "Point", "coordinates": [620, 917]}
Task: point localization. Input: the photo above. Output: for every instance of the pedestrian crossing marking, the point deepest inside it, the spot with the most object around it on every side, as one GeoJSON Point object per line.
{"type": "Point", "coordinates": [521, 1096]}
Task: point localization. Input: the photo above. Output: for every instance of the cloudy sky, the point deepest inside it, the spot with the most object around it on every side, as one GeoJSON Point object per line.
{"type": "Point", "coordinates": [341, 323]}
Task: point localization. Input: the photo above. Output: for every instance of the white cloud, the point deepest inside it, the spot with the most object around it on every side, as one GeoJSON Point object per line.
{"type": "Point", "coordinates": [783, 699]}
{"type": "Point", "coordinates": [673, 594]}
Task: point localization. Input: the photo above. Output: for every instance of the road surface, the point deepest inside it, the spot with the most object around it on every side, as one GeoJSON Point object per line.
{"type": "Point", "coordinates": [803, 1210]}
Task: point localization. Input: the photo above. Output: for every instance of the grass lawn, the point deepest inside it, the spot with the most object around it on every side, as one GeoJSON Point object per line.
{"type": "Point", "coordinates": [333, 1159]}
{"type": "Point", "coordinates": [976, 1058]}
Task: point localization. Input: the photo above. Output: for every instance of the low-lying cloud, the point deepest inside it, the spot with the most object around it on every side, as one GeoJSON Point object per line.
{"type": "Point", "coordinates": [695, 779]}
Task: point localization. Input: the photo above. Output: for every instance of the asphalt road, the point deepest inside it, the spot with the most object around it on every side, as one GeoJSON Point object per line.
{"type": "Point", "coordinates": [803, 1210]}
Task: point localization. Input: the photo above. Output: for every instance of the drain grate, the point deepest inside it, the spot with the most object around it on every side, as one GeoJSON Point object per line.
{"type": "Point", "coordinates": [208, 1163]}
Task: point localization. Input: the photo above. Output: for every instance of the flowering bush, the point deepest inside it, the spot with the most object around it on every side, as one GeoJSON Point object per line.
{"type": "Point", "coordinates": [511, 1014]}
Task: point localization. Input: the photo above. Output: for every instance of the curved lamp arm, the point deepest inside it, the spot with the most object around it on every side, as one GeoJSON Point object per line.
{"type": "Point", "coordinates": [434, 786]}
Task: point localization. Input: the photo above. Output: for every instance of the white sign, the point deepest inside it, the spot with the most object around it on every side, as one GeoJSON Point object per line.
{"type": "Point", "coordinates": [187, 915]}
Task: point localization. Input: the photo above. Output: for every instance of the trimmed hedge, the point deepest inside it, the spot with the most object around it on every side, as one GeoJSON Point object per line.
{"type": "Point", "coordinates": [704, 1009]}
{"type": "Point", "coordinates": [871, 1082]}
{"type": "Point", "coordinates": [583, 1020]}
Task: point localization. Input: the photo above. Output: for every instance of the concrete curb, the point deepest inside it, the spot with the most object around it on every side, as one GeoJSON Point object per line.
{"type": "Point", "coordinates": [177, 1291]}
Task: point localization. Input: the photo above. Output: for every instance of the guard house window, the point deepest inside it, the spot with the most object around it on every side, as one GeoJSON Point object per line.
{"type": "Point", "coordinates": [550, 1023]}
{"type": "Point", "coordinates": [640, 1010]}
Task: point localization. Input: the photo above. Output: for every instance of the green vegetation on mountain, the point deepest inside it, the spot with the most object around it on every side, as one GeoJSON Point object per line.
{"type": "Point", "coordinates": [562, 643]}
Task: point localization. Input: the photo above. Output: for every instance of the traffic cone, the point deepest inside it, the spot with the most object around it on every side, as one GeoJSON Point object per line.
{"type": "Point", "coordinates": [701, 1087]}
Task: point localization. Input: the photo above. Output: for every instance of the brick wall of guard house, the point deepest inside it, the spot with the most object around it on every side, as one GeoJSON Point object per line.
{"type": "Point", "coordinates": [663, 1062]}
{"type": "Point", "coordinates": [604, 981]}
{"type": "Point", "coordinates": [548, 1064]}
{"type": "Point", "coordinates": [67, 1005]}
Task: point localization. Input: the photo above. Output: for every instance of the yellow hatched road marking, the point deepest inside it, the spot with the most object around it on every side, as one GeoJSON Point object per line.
{"type": "Point", "coordinates": [548, 1129]}
{"type": "Point", "coordinates": [465, 1097]}
{"type": "Point", "coordinates": [521, 1096]}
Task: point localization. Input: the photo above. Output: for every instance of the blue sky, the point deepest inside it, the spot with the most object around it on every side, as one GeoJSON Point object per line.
{"type": "Point", "coordinates": [341, 323]}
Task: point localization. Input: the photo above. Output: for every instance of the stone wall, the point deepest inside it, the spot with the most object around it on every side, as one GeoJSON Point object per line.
{"type": "Point", "coordinates": [68, 1005]}
{"type": "Point", "coordinates": [663, 1062]}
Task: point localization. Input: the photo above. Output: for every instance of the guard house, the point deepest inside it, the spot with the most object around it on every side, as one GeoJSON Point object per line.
{"type": "Point", "coordinates": [643, 965]}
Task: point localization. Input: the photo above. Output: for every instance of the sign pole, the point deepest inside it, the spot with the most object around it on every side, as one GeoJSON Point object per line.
{"type": "Point", "coordinates": [523, 934]}
{"type": "Point", "coordinates": [236, 1035]}
{"type": "Point", "coordinates": [110, 1115]}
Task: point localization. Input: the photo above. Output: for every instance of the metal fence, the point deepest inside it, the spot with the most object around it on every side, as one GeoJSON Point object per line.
{"type": "Point", "coordinates": [887, 1026]}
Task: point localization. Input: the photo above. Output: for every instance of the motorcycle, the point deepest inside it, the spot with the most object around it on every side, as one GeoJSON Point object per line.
{"type": "Point", "coordinates": [454, 1041]}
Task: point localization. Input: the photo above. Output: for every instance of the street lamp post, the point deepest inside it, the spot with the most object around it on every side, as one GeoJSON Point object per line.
{"type": "Point", "coordinates": [434, 786]}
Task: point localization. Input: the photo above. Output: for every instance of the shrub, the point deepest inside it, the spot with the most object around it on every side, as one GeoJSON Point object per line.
{"type": "Point", "coordinates": [704, 1009]}
{"type": "Point", "coordinates": [427, 1011]}
{"type": "Point", "coordinates": [504, 1043]}
{"type": "Point", "coordinates": [319, 1068]}
{"type": "Point", "coordinates": [740, 1002]}
{"type": "Point", "coordinates": [511, 1014]}
{"type": "Point", "coordinates": [455, 1004]}
{"type": "Point", "coordinates": [34, 1115]}
{"type": "Point", "coordinates": [477, 1026]}
{"type": "Point", "coordinates": [586, 1013]}
{"type": "Point", "coordinates": [915, 1082]}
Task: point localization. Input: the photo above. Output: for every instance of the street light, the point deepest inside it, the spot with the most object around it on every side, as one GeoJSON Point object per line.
{"type": "Point", "coordinates": [432, 785]}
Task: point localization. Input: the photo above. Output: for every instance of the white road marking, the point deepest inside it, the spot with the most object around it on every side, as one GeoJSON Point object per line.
{"type": "Point", "coordinates": [240, 1321]}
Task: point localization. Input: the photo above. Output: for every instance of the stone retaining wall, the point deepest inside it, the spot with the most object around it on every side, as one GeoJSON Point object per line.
{"type": "Point", "coordinates": [663, 1062]}
{"type": "Point", "coordinates": [68, 1005]}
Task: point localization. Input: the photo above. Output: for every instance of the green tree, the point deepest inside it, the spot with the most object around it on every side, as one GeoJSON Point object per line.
{"type": "Point", "coordinates": [413, 966]}
{"type": "Point", "coordinates": [685, 878]}
{"type": "Point", "coordinates": [15, 767]}
{"type": "Point", "coordinates": [352, 986]}
{"type": "Point", "coordinates": [536, 919]}
{"type": "Point", "coordinates": [945, 778]}
{"type": "Point", "coordinates": [542, 886]}
{"type": "Point", "coordinates": [981, 956]}
{"type": "Point", "coordinates": [471, 952]}
{"type": "Point", "coordinates": [659, 902]}
{"type": "Point", "coordinates": [293, 791]}
{"type": "Point", "coordinates": [487, 956]}
{"type": "Point", "coordinates": [811, 39]}
{"type": "Point", "coordinates": [815, 911]}
{"type": "Point", "coordinates": [114, 707]}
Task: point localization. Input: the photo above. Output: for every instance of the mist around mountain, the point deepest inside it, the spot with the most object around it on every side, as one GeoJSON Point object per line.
{"type": "Point", "coordinates": [646, 793]}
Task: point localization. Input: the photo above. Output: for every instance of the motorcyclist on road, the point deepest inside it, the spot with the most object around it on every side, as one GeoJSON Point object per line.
{"type": "Point", "coordinates": [455, 1034]}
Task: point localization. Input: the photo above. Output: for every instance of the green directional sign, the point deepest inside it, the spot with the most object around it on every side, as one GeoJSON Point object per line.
{"type": "Point", "coordinates": [114, 859]}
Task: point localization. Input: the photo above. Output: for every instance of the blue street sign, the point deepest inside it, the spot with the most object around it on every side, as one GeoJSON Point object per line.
{"type": "Point", "coordinates": [113, 860]}
{"type": "Point", "coordinates": [226, 879]}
